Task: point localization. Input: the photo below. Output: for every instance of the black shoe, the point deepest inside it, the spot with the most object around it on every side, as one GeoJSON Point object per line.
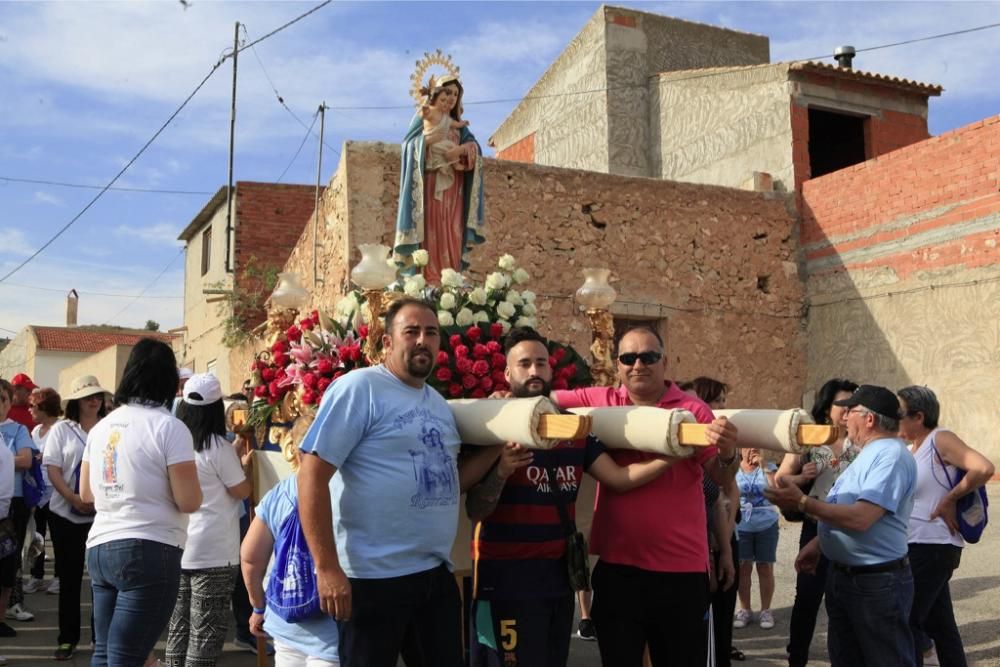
{"type": "Point", "coordinates": [64, 652]}
{"type": "Point", "coordinates": [7, 631]}
{"type": "Point", "coordinates": [586, 630]}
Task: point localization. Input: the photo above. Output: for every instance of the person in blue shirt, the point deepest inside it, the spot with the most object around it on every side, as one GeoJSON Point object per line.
{"type": "Point", "coordinates": [758, 536]}
{"type": "Point", "coordinates": [863, 532]}
{"type": "Point", "coordinates": [381, 529]}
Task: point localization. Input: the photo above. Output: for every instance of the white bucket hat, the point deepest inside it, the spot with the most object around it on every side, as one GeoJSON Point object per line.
{"type": "Point", "coordinates": [82, 387]}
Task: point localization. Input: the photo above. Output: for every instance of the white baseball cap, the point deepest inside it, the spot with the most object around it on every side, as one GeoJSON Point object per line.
{"type": "Point", "coordinates": [202, 389]}
{"type": "Point", "coordinates": [184, 373]}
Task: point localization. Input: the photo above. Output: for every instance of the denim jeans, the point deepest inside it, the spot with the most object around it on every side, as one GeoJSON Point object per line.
{"type": "Point", "coordinates": [869, 618]}
{"type": "Point", "coordinates": [135, 584]}
{"type": "Point", "coordinates": [932, 617]}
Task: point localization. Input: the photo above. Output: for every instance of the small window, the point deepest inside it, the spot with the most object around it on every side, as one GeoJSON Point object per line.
{"type": "Point", "coordinates": [210, 367]}
{"type": "Point", "coordinates": [836, 140]}
{"type": "Point", "coordinates": [206, 251]}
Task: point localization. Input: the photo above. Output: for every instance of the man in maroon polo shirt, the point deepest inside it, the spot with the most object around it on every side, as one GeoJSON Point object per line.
{"type": "Point", "coordinates": [651, 582]}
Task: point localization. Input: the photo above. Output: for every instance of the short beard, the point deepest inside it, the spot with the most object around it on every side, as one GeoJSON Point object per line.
{"type": "Point", "coordinates": [418, 368]}
{"type": "Point", "coordinates": [522, 391]}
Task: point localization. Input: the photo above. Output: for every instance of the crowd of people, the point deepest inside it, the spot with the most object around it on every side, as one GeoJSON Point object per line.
{"type": "Point", "coordinates": [152, 505]}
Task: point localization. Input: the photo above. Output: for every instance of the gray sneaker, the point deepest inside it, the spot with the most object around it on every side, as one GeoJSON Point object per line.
{"type": "Point", "coordinates": [19, 613]}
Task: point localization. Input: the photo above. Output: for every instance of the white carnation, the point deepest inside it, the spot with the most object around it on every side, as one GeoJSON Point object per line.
{"type": "Point", "coordinates": [464, 318]}
{"type": "Point", "coordinates": [451, 278]}
{"type": "Point", "coordinates": [529, 309]}
{"type": "Point", "coordinates": [420, 257]}
{"type": "Point", "coordinates": [412, 286]}
{"type": "Point", "coordinates": [528, 296]}
{"type": "Point", "coordinates": [478, 296]}
{"type": "Point", "coordinates": [496, 280]}
{"type": "Point", "coordinates": [347, 305]}
{"type": "Point", "coordinates": [515, 298]}
{"type": "Point", "coordinates": [445, 319]}
{"type": "Point", "coordinates": [506, 310]}
{"type": "Point", "coordinates": [506, 325]}
{"type": "Point", "coordinates": [521, 276]}
{"type": "Point", "coordinates": [481, 316]}
{"type": "Point", "coordinates": [507, 263]}
{"type": "Point", "coordinates": [525, 322]}
{"type": "Point", "coordinates": [448, 301]}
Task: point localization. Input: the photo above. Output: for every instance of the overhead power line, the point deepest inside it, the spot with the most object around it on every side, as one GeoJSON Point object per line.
{"type": "Point", "coordinates": [63, 184]}
{"type": "Point", "coordinates": [299, 150]}
{"type": "Point", "coordinates": [156, 134]}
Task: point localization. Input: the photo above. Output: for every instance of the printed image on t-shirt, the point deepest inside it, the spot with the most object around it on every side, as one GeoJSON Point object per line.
{"type": "Point", "coordinates": [112, 489]}
{"type": "Point", "coordinates": [433, 471]}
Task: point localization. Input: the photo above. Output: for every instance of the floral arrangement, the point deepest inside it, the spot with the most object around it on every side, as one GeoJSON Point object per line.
{"type": "Point", "coordinates": [310, 355]}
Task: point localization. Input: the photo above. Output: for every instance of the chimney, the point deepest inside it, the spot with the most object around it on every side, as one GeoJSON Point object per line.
{"type": "Point", "coordinates": [72, 301]}
{"type": "Point", "coordinates": [844, 55]}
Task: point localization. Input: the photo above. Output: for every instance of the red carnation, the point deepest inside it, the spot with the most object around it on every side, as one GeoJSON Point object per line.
{"type": "Point", "coordinates": [443, 374]}
{"type": "Point", "coordinates": [499, 378]}
{"type": "Point", "coordinates": [493, 347]}
{"type": "Point", "coordinates": [496, 330]}
{"type": "Point", "coordinates": [481, 368]}
{"type": "Point", "coordinates": [314, 315]}
{"type": "Point", "coordinates": [558, 353]}
{"type": "Point", "coordinates": [473, 333]}
{"type": "Point", "coordinates": [552, 362]}
{"type": "Point", "coordinates": [469, 381]}
{"type": "Point", "coordinates": [267, 374]}
{"type": "Point", "coordinates": [479, 351]}
{"type": "Point", "coordinates": [464, 365]}
{"type": "Point", "coordinates": [559, 383]}
{"type": "Point", "coordinates": [271, 400]}
{"type": "Point", "coordinates": [338, 373]}
{"type": "Point", "coordinates": [363, 331]}
{"type": "Point", "coordinates": [455, 390]}
{"type": "Point", "coordinates": [279, 346]}
{"type": "Point", "coordinates": [566, 372]}
{"type": "Point", "coordinates": [443, 358]}
{"type": "Point", "coordinates": [322, 384]}
{"type": "Point", "coordinates": [310, 397]}
{"type": "Point", "coordinates": [273, 388]}
{"type": "Point", "coordinates": [485, 383]}
{"type": "Point", "coordinates": [454, 341]}
{"type": "Point", "coordinates": [498, 360]}
{"type": "Point", "coordinates": [478, 393]}
{"type": "Point", "coordinates": [280, 374]}
{"type": "Point", "coordinates": [308, 324]}
{"type": "Point", "coordinates": [460, 350]}
{"type": "Point", "coordinates": [281, 360]}
{"type": "Point", "coordinates": [260, 391]}
{"type": "Point", "coordinates": [309, 381]}
{"type": "Point", "coordinates": [324, 367]}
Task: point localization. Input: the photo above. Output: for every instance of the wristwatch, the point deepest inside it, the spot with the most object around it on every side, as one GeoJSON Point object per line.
{"type": "Point", "coordinates": [727, 463]}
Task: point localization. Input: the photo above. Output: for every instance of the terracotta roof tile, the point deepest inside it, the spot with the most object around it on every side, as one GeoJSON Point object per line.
{"type": "Point", "coordinates": [81, 339]}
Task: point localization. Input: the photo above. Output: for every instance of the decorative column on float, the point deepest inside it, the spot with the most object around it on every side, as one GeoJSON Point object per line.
{"type": "Point", "coordinates": [596, 296]}
{"type": "Point", "coordinates": [373, 274]}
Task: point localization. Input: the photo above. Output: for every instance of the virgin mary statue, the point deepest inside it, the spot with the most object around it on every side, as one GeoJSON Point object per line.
{"type": "Point", "coordinates": [441, 184]}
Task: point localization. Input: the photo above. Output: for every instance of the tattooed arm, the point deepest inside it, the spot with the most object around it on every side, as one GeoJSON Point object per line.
{"type": "Point", "coordinates": [483, 497]}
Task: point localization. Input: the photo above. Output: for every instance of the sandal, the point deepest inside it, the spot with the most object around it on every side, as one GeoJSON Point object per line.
{"type": "Point", "coordinates": [736, 654]}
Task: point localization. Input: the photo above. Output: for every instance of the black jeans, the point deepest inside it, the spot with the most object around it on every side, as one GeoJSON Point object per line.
{"type": "Point", "coordinates": [809, 590]}
{"type": "Point", "coordinates": [419, 612]}
{"type": "Point", "coordinates": [20, 514]}
{"type": "Point", "coordinates": [41, 521]}
{"type": "Point", "coordinates": [723, 607]}
{"type": "Point", "coordinates": [666, 610]}
{"type": "Point", "coordinates": [932, 616]}
{"type": "Point", "coordinates": [69, 544]}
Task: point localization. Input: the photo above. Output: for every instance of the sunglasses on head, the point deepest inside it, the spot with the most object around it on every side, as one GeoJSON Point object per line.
{"type": "Point", "coordinates": [647, 358]}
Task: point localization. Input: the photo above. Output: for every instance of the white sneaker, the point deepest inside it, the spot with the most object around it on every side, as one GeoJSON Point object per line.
{"type": "Point", "coordinates": [742, 618]}
{"type": "Point", "coordinates": [931, 658]}
{"type": "Point", "coordinates": [766, 619]}
{"type": "Point", "coordinates": [34, 585]}
{"type": "Point", "coordinates": [3, 660]}
{"type": "Point", "coordinates": [53, 588]}
{"type": "Point", "coordinates": [19, 613]}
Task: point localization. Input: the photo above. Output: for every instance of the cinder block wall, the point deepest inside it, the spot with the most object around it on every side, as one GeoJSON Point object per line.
{"type": "Point", "coordinates": [904, 274]}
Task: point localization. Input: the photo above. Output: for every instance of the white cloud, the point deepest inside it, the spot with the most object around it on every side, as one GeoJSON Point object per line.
{"type": "Point", "coordinates": [46, 198]}
{"type": "Point", "coordinates": [162, 233]}
{"type": "Point", "coordinates": [14, 243]}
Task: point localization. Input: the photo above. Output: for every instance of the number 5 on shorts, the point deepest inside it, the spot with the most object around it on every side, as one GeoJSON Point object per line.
{"type": "Point", "coordinates": [508, 634]}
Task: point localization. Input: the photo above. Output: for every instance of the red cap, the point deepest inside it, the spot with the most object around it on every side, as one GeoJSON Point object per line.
{"type": "Point", "coordinates": [22, 380]}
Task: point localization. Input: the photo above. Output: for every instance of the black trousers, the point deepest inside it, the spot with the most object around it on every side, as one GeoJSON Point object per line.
{"type": "Point", "coordinates": [20, 514]}
{"type": "Point", "coordinates": [723, 607]}
{"type": "Point", "coordinates": [41, 521]}
{"type": "Point", "coordinates": [932, 616]}
{"type": "Point", "coordinates": [809, 589]}
{"type": "Point", "coordinates": [417, 615]}
{"type": "Point", "coordinates": [69, 543]}
{"type": "Point", "coordinates": [667, 610]}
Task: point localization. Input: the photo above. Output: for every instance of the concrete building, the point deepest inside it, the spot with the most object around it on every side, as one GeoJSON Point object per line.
{"type": "Point", "coordinates": [235, 266]}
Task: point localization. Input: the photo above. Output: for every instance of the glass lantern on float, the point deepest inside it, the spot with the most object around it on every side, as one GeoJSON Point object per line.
{"type": "Point", "coordinates": [373, 274]}
{"type": "Point", "coordinates": [284, 304]}
{"type": "Point", "coordinates": [596, 297]}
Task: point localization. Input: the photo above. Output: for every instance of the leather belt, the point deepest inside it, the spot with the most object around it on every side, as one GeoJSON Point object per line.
{"type": "Point", "coordinates": [889, 566]}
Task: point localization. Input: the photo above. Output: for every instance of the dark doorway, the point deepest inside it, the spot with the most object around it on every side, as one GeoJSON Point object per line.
{"type": "Point", "coordinates": [836, 141]}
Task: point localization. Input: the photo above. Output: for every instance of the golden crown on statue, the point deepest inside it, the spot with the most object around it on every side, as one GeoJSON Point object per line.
{"type": "Point", "coordinates": [420, 91]}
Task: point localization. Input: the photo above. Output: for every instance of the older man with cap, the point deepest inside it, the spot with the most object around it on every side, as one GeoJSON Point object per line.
{"type": "Point", "coordinates": [19, 410]}
{"type": "Point", "coordinates": [863, 532]}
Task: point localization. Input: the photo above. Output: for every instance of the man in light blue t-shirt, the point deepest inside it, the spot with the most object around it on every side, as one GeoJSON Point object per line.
{"type": "Point", "coordinates": [862, 530]}
{"type": "Point", "coordinates": [381, 529]}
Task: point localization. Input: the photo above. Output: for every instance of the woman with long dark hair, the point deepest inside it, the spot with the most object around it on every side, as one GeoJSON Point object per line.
{"type": "Point", "coordinates": [70, 517]}
{"type": "Point", "coordinates": [816, 470]}
{"type": "Point", "coordinates": [45, 406]}
{"type": "Point", "coordinates": [139, 471]}
{"type": "Point", "coordinates": [212, 557]}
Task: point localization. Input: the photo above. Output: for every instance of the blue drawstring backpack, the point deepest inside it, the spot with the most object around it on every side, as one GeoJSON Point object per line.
{"type": "Point", "coordinates": [971, 509]}
{"type": "Point", "coordinates": [291, 591]}
{"type": "Point", "coordinates": [33, 486]}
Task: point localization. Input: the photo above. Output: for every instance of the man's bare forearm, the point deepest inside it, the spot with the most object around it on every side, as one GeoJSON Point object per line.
{"type": "Point", "coordinates": [482, 498]}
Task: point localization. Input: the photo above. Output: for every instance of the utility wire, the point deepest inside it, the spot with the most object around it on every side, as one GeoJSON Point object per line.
{"type": "Point", "coordinates": [147, 287]}
{"type": "Point", "coordinates": [296, 156]}
{"type": "Point", "coordinates": [142, 150]}
{"type": "Point", "coordinates": [694, 75]}
{"type": "Point", "coordinates": [98, 187]}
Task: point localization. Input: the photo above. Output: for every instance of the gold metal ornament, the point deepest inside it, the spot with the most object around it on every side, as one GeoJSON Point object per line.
{"type": "Point", "coordinates": [419, 90]}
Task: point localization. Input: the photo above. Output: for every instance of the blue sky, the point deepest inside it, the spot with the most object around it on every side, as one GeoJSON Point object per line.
{"type": "Point", "coordinates": [86, 84]}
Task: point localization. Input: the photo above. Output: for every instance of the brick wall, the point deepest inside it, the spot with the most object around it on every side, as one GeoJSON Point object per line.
{"type": "Point", "coordinates": [520, 151]}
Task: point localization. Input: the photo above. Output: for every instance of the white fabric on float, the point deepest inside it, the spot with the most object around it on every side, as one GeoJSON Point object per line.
{"type": "Point", "coordinates": [494, 422]}
{"type": "Point", "coordinates": [776, 430]}
{"type": "Point", "coordinates": [645, 428]}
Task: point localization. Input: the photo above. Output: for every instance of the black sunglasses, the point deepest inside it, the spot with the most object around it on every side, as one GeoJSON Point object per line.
{"type": "Point", "coordinates": [647, 358]}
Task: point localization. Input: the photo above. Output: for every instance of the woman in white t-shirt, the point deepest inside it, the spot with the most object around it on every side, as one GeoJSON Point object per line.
{"type": "Point", "coordinates": [45, 407]}
{"type": "Point", "coordinates": [139, 471]}
{"type": "Point", "coordinates": [212, 557]}
{"type": "Point", "coordinates": [70, 517]}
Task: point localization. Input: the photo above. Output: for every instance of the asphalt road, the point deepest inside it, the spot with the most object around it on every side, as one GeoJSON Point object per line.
{"type": "Point", "coordinates": [975, 592]}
